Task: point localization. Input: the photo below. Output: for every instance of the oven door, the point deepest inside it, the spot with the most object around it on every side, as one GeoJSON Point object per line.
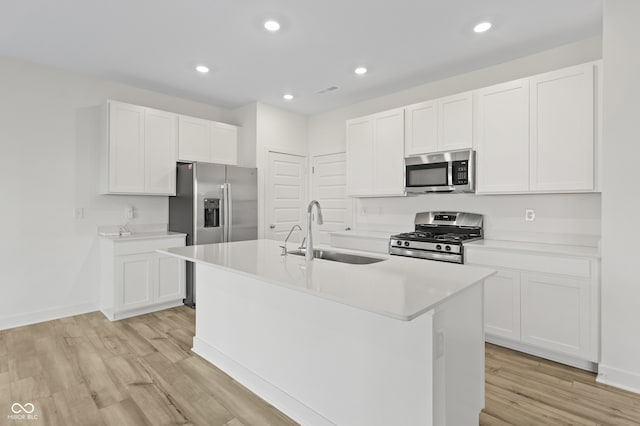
{"type": "Point", "coordinates": [428, 177]}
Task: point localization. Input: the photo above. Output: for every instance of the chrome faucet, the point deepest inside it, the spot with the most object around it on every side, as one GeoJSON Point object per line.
{"type": "Point", "coordinates": [284, 247]}
{"type": "Point", "coordinates": [309, 252]}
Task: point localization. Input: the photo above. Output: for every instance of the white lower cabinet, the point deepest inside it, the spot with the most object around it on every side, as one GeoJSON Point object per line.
{"type": "Point", "coordinates": [556, 314]}
{"type": "Point", "coordinates": [133, 286]}
{"type": "Point", "coordinates": [135, 279]}
{"type": "Point", "coordinates": [541, 303]}
{"type": "Point", "coordinates": [502, 304]}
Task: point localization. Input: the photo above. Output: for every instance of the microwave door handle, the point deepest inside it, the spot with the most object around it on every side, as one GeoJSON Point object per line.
{"type": "Point", "coordinates": [450, 175]}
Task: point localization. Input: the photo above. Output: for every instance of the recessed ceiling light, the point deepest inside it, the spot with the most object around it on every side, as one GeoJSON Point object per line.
{"type": "Point", "coordinates": [203, 69]}
{"type": "Point", "coordinates": [287, 96]}
{"type": "Point", "coordinates": [482, 27]}
{"type": "Point", "coordinates": [360, 70]}
{"type": "Point", "coordinates": [272, 25]}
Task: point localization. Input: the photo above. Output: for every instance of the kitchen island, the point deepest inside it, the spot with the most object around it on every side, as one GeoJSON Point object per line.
{"type": "Point", "coordinates": [394, 342]}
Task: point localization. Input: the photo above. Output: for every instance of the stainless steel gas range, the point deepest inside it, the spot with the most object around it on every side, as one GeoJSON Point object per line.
{"type": "Point", "coordinates": [438, 236]}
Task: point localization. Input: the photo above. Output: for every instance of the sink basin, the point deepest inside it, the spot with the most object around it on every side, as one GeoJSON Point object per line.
{"type": "Point", "coordinates": [334, 256]}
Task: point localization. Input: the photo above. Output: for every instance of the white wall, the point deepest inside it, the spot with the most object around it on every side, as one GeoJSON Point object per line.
{"type": "Point", "coordinates": [620, 365]}
{"type": "Point", "coordinates": [505, 214]}
{"type": "Point", "coordinates": [49, 147]}
{"type": "Point", "coordinates": [281, 131]}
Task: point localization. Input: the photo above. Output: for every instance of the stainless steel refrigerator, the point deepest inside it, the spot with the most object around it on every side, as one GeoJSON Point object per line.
{"type": "Point", "coordinates": [214, 203]}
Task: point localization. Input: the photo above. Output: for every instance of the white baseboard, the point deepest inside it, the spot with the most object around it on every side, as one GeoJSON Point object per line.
{"type": "Point", "coordinates": [622, 379]}
{"type": "Point", "coordinates": [115, 316]}
{"type": "Point", "coordinates": [46, 315]}
{"type": "Point", "coordinates": [542, 353]}
{"type": "Point", "coordinates": [270, 393]}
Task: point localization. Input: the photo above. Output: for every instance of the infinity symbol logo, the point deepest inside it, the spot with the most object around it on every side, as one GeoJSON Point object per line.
{"type": "Point", "coordinates": [18, 408]}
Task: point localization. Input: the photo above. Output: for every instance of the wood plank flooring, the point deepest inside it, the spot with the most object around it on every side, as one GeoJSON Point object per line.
{"type": "Point", "coordinates": [86, 370]}
{"type": "Point", "coordinates": [523, 390]}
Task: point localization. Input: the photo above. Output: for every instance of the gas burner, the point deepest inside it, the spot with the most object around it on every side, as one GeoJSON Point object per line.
{"type": "Point", "coordinates": [437, 237]}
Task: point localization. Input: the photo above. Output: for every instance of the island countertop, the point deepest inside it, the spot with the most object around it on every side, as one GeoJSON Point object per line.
{"type": "Point", "coordinates": [398, 287]}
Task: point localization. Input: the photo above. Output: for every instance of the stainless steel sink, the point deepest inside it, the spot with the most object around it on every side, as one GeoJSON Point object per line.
{"type": "Point", "coordinates": [334, 256]}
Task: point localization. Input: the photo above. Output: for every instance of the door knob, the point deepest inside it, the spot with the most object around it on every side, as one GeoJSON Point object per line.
{"type": "Point", "coordinates": [272, 226]}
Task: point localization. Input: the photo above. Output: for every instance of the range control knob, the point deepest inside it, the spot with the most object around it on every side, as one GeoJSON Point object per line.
{"type": "Point", "coordinates": [406, 243]}
{"type": "Point", "coordinates": [399, 242]}
{"type": "Point", "coordinates": [447, 248]}
{"type": "Point", "coordinates": [438, 247]}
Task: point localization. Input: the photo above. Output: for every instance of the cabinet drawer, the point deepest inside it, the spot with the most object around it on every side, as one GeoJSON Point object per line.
{"type": "Point", "coordinates": [562, 265]}
{"type": "Point", "coordinates": [146, 246]}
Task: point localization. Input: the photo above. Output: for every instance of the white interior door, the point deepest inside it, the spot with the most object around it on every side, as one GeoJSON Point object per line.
{"type": "Point", "coordinates": [328, 186]}
{"type": "Point", "coordinates": [285, 195]}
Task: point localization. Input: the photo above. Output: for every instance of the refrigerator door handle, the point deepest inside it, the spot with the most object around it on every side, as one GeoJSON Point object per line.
{"type": "Point", "coordinates": [229, 213]}
{"type": "Point", "coordinates": [225, 214]}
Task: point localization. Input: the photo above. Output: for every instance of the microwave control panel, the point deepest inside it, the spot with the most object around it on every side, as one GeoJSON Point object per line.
{"type": "Point", "coordinates": [460, 172]}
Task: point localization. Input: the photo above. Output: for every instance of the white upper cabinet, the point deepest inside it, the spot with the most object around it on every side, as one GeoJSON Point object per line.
{"type": "Point", "coordinates": [562, 136]}
{"type": "Point", "coordinates": [359, 156]}
{"type": "Point", "coordinates": [160, 152]}
{"type": "Point", "coordinates": [125, 148]}
{"type": "Point", "coordinates": [502, 138]}
{"type": "Point", "coordinates": [444, 124]}
{"type": "Point", "coordinates": [194, 135]}
{"type": "Point", "coordinates": [375, 154]}
{"type": "Point", "coordinates": [224, 143]}
{"type": "Point", "coordinates": [207, 141]}
{"type": "Point", "coordinates": [455, 121]}
{"type": "Point", "coordinates": [421, 134]}
{"type": "Point", "coordinates": [537, 134]}
{"type": "Point", "coordinates": [140, 152]}
{"type": "Point", "coordinates": [388, 153]}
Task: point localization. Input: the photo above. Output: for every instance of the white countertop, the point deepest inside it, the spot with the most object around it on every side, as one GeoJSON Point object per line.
{"type": "Point", "coordinates": [144, 236]}
{"type": "Point", "coordinates": [375, 235]}
{"type": "Point", "coordinates": [399, 287]}
{"type": "Point", "coordinates": [564, 249]}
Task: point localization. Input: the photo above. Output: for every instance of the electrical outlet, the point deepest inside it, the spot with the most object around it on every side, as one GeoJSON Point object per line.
{"type": "Point", "coordinates": [529, 215]}
{"type": "Point", "coordinates": [78, 213]}
{"type": "Point", "coordinates": [128, 212]}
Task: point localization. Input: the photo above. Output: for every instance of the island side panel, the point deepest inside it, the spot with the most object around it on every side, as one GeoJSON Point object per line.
{"type": "Point", "coordinates": [318, 361]}
{"type": "Point", "coordinates": [459, 357]}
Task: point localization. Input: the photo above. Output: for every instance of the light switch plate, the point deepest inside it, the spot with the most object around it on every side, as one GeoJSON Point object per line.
{"type": "Point", "coordinates": [529, 215]}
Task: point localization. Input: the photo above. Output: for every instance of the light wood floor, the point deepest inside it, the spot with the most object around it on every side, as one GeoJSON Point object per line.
{"type": "Point", "coordinates": [86, 370]}
{"type": "Point", "coordinates": [526, 390]}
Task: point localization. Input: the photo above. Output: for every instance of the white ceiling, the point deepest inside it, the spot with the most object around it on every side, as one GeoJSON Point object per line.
{"type": "Point", "coordinates": [156, 44]}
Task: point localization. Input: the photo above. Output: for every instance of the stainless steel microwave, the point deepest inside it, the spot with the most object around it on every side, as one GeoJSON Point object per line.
{"type": "Point", "coordinates": [441, 172]}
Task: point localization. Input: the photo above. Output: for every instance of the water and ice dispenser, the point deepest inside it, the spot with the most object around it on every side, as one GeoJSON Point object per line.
{"type": "Point", "coordinates": [211, 212]}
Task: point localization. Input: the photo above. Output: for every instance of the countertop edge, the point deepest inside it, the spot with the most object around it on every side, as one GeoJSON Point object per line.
{"type": "Point", "coordinates": [536, 248]}
{"type": "Point", "coordinates": [387, 314]}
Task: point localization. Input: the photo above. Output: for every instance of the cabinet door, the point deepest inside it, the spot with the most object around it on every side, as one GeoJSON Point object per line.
{"type": "Point", "coordinates": [556, 314]}
{"type": "Point", "coordinates": [360, 156]}
{"type": "Point", "coordinates": [455, 118]}
{"type": "Point", "coordinates": [161, 139]}
{"type": "Point", "coordinates": [224, 143]}
{"type": "Point", "coordinates": [388, 153]}
{"type": "Point", "coordinates": [502, 305]}
{"type": "Point", "coordinates": [421, 128]}
{"type": "Point", "coordinates": [126, 148]}
{"type": "Point", "coordinates": [562, 136]}
{"type": "Point", "coordinates": [170, 279]}
{"type": "Point", "coordinates": [194, 139]}
{"type": "Point", "coordinates": [134, 281]}
{"type": "Point", "coordinates": [503, 138]}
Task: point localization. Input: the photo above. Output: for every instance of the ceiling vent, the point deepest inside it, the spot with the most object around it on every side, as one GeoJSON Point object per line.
{"type": "Point", "coordinates": [328, 89]}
